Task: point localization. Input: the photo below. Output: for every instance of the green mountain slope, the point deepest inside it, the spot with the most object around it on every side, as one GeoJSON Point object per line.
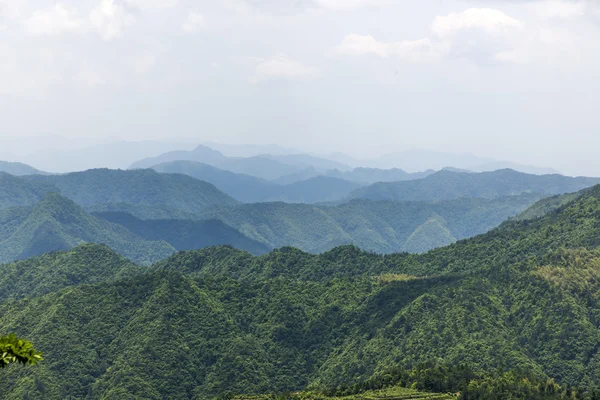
{"type": "Point", "coordinates": [141, 187]}
{"type": "Point", "coordinates": [383, 226]}
{"type": "Point", "coordinates": [88, 263]}
{"type": "Point", "coordinates": [445, 185]}
{"type": "Point", "coordinates": [547, 205]}
{"type": "Point", "coordinates": [432, 234]}
{"type": "Point", "coordinates": [494, 316]}
{"type": "Point", "coordinates": [57, 223]}
{"type": "Point", "coordinates": [15, 191]}
{"type": "Point", "coordinates": [313, 190]}
{"type": "Point", "coordinates": [186, 234]}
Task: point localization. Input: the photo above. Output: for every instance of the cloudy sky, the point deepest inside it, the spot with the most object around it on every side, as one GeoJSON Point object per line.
{"type": "Point", "coordinates": [515, 80]}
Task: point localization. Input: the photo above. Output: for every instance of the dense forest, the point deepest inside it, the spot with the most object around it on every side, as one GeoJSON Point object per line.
{"type": "Point", "coordinates": [510, 314]}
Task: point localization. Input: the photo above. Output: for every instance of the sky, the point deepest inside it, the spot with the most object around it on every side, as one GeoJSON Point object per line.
{"type": "Point", "coordinates": [514, 80]}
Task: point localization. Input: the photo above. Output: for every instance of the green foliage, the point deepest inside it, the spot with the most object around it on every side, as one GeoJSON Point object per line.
{"type": "Point", "coordinates": [15, 350]}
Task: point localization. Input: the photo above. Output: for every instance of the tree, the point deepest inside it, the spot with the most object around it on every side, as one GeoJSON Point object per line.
{"type": "Point", "coordinates": [15, 350]}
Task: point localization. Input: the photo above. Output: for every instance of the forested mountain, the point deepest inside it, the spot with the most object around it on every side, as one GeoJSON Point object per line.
{"type": "Point", "coordinates": [313, 190]}
{"type": "Point", "coordinates": [383, 227]}
{"type": "Point", "coordinates": [15, 191]}
{"type": "Point", "coordinates": [186, 234]}
{"type": "Point", "coordinates": [140, 187]}
{"type": "Point", "coordinates": [18, 169]}
{"type": "Point", "coordinates": [372, 175]}
{"type": "Point", "coordinates": [249, 189]}
{"type": "Point", "coordinates": [445, 185]}
{"type": "Point", "coordinates": [87, 263]}
{"type": "Point", "coordinates": [57, 223]}
{"type": "Point", "coordinates": [493, 317]}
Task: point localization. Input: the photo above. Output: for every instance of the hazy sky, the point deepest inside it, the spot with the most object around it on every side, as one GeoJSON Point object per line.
{"type": "Point", "coordinates": [508, 79]}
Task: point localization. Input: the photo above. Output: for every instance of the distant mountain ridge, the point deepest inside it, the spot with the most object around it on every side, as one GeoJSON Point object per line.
{"type": "Point", "coordinates": [420, 160]}
{"type": "Point", "coordinates": [267, 167]}
{"type": "Point", "coordinates": [250, 189]}
{"type": "Point", "coordinates": [19, 169]}
{"type": "Point", "coordinates": [447, 185]}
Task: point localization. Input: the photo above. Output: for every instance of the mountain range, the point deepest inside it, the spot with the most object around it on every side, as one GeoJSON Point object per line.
{"type": "Point", "coordinates": [267, 167]}
{"type": "Point", "coordinates": [250, 189]}
{"type": "Point", "coordinates": [508, 314]}
{"type": "Point", "coordinates": [140, 187]}
{"type": "Point", "coordinates": [57, 223]}
{"type": "Point", "coordinates": [479, 202]}
{"type": "Point", "coordinates": [447, 185]}
{"type": "Point", "coordinates": [380, 226]}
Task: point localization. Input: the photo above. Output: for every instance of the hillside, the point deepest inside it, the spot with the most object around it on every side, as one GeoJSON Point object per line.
{"type": "Point", "coordinates": [547, 205]}
{"type": "Point", "coordinates": [140, 187]}
{"type": "Point", "coordinates": [249, 189]}
{"type": "Point", "coordinates": [18, 169]}
{"type": "Point", "coordinates": [313, 190]}
{"type": "Point", "coordinates": [368, 176]}
{"type": "Point", "coordinates": [186, 234]}
{"type": "Point", "coordinates": [384, 227]}
{"type": "Point", "coordinates": [87, 263]}
{"type": "Point", "coordinates": [15, 191]}
{"type": "Point", "coordinates": [57, 223]}
{"type": "Point", "coordinates": [447, 185]}
{"type": "Point", "coordinates": [495, 316]}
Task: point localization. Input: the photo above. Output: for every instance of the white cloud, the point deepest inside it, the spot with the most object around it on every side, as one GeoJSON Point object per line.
{"type": "Point", "coordinates": [281, 67]}
{"type": "Point", "coordinates": [338, 5]}
{"type": "Point", "coordinates": [194, 23]}
{"type": "Point", "coordinates": [111, 19]}
{"type": "Point", "coordinates": [558, 8]}
{"type": "Point", "coordinates": [10, 9]}
{"type": "Point", "coordinates": [358, 45]}
{"type": "Point", "coordinates": [487, 19]}
{"type": "Point", "coordinates": [478, 34]}
{"type": "Point", "coordinates": [152, 4]}
{"type": "Point", "coordinates": [56, 20]}
{"type": "Point", "coordinates": [291, 7]}
{"type": "Point", "coordinates": [412, 50]}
